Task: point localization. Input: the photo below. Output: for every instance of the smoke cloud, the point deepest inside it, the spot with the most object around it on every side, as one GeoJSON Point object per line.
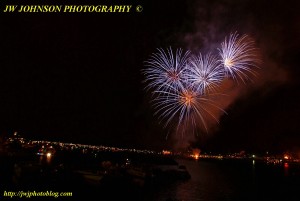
{"type": "Point", "coordinates": [212, 22]}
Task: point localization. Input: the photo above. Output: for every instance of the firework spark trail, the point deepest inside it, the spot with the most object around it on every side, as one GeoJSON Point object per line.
{"type": "Point", "coordinates": [186, 105]}
{"type": "Point", "coordinates": [239, 56]}
{"type": "Point", "coordinates": [165, 70]}
{"type": "Point", "coordinates": [205, 73]}
{"type": "Point", "coordinates": [175, 102]}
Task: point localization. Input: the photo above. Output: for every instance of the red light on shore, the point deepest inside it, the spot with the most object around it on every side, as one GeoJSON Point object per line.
{"type": "Point", "coordinates": [165, 152]}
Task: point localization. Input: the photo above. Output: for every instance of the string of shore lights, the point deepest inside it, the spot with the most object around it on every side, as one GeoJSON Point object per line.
{"type": "Point", "coordinates": [183, 84]}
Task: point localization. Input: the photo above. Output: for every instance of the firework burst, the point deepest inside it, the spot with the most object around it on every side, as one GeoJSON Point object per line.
{"type": "Point", "coordinates": [166, 69]}
{"type": "Point", "coordinates": [185, 106]}
{"type": "Point", "coordinates": [205, 73]}
{"type": "Point", "coordinates": [239, 57]}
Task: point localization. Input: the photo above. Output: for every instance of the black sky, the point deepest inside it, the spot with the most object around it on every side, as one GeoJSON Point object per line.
{"type": "Point", "coordinates": [76, 77]}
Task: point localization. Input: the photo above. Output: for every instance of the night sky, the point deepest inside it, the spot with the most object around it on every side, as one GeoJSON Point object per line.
{"type": "Point", "coordinates": [76, 77]}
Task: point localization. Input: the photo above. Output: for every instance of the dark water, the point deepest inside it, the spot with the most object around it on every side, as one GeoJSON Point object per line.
{"type": "Point", "coordinates": [215, 180]}
{"type": "Point", "coordinates": [234, 181]}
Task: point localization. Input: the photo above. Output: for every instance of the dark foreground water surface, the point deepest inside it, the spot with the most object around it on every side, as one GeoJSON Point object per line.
{"type": "Point", "coordinates": [211, 180]}
{"type": "Point", "coordinates": [235, 181]}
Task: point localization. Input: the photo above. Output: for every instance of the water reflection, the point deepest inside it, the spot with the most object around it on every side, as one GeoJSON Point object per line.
{"type": "Point", "coordinates": [286, 169]}
{"type": "Point", "coordinates": [46, 159]}
{"type": "Point", "coordinates": [49, 158]}
{"type": "Point", "coordinates": [232, 180]}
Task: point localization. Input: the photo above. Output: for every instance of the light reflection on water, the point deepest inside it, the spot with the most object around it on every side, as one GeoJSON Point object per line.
{"type": "Point", "coordinates": [233, 181]}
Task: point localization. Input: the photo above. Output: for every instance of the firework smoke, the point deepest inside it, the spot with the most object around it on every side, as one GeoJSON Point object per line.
{"type": "Point", "coordinates": [209, 24]}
